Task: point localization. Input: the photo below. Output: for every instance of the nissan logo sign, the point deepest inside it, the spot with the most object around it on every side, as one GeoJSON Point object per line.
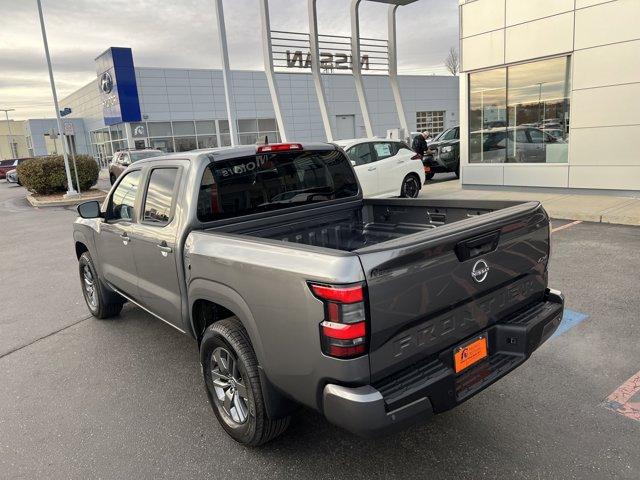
{"type": "Point", "coordinates": [106, 83]}
{"type": "Point", "coordinates": [480, 271]}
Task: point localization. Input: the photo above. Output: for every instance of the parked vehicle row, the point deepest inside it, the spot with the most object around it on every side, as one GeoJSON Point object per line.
{"type": "Point", "coordinates": [378, 313]}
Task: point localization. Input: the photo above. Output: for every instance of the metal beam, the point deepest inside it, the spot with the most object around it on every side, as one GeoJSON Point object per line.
{"type": "Point", "coordinates": [357, 67]}
{"type": "Point", "coordinates": [315, 69]}
{"type": "Point", "coordinates": [393, 68]}
{"type": "Point", "coordinates": [226, 72]}
{"type": "Point", "coordinates": [268, 67]}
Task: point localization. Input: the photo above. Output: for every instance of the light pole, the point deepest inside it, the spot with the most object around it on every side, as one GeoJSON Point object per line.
{"type": "Point", "coordinates": [70, 190]}
{"type": "Point", "coordinates": [6, 113]}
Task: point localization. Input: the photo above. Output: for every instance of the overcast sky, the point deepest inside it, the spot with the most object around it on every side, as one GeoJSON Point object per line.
{"type": "Point", "coordinates": [182, 33]}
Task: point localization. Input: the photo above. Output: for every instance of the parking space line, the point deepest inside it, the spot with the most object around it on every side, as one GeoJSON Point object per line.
{"type": "Point", "coordinates": [625, 400]}
{"type": "Point", "coordinates": [569, 320]}
{"type": "Point", "coordinates": [568, 225]}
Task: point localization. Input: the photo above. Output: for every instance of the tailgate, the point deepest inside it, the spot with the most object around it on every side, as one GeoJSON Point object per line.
{"type": "Point", "coordinates": [431, 290]}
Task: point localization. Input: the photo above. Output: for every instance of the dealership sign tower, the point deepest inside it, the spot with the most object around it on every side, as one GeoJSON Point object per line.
{"type": "Point", "coordinates": [326, 54]}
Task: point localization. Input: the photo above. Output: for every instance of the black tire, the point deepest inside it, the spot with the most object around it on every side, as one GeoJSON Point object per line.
{"type": "Point", "coordinates": [257, 428]}
{"type": "Point", "coordinates": [457, 171]}
{"type": "Point", "coordinates": [99, 304]}
{"type": "Point", "coordinates": [429, 176]}
{"type": "Point", "coordinates": [410, 186]}
{"type": "Point", "coordinates": [112, 178]}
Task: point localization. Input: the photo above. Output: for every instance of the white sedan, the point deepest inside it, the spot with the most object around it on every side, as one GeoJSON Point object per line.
{"type": "Point", "coordinates": [385, 168]}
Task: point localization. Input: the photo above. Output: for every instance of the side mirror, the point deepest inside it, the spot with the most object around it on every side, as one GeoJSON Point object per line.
{"type": "Point", "coordinates": [353, 162]}
{"type": "Point", "coordinates": [89, 209]}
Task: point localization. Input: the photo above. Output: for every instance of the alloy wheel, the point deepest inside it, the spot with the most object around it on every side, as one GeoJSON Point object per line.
{"type": "Point", "coordinates": [411, 188]}
{"type": "Point", "coordinates": [229, 386]}
{"type": "Point", "coordinates": [89, 287]}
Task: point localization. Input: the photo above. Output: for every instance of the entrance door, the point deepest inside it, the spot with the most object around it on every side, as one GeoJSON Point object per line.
{"type": "Point", "coordinates": [345, 127]}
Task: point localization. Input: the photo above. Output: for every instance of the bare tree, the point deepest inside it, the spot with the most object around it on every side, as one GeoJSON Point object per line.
{"type": "Point", "coordinates": [452, 62]}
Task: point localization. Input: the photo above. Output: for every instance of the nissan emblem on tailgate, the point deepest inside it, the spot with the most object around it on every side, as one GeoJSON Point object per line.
{"type": "Point", "coordinates": [480, 271]}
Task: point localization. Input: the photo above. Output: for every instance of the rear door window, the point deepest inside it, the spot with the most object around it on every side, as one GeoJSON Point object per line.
{"type": "Point", "coordinates": [361, 154]}
{"type": "Point", "coordinates": [274, 181]}
{"type": "Point", "coordinates": [383, 150]}
{"type": "Point", "coordinates": [121, 206]}
{"type": "Point", "coordinates": [160, 194]}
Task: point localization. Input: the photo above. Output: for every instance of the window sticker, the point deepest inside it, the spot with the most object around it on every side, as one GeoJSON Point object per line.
{"type": "Point", "coordinates": [383, 149]}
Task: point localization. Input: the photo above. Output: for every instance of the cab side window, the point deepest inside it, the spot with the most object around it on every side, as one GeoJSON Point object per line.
{"type": "Point", "coordinates": [121, 205]}
{"type": "Point", "coordinates": [361, 154]}
{"type": "Point", "coordinates": [159, 199]}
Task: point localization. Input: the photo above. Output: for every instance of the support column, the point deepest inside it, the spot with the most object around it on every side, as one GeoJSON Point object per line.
{"type": "Point", "coordinates": [393, 69]}
{"type": "Point", "coordinates": [267, 53]}
{"type": "Point", "coordinates": [226, 73]}
{"type": "Point", "coordinates": [315, 69]}
{"type": "Point", "coordinates": [357, 67]}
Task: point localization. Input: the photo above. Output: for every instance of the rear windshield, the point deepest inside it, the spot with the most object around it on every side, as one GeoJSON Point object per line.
{"type": "Point", "coordinates": [265, 182]}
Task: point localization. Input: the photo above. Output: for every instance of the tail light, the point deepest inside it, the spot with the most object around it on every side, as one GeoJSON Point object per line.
{"type": "Point", "coordinates": [279, 147]}
{"type": "Point", "coordinates": [343, 333]}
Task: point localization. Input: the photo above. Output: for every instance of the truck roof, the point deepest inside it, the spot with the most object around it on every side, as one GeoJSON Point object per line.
{"type": "Point", "coordinates": [225, 153]}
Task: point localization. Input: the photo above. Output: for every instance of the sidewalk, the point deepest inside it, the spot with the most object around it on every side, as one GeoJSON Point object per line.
{"type": "Point", "coordinates": [565, 206]}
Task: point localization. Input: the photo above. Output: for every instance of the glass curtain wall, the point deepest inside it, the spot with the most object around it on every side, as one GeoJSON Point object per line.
{"type": "Point", "coordinates": [520, 114]}
{"type": "Point", "coordinates": [182, 136]}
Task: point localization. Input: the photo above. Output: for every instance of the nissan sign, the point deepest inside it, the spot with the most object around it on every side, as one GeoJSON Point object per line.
{"type": "Point", "coordinates": [328, 61]}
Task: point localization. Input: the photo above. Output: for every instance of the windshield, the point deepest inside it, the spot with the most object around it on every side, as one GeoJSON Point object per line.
{"type": "Point", "coordinates": [259, 183]}
{"type": "Point", "coordinates": [135, 156]}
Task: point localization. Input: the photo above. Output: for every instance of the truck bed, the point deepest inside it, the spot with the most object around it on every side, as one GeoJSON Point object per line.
{"type": "Point", "coordinates": [423, 261]}
{"type": "Point", "coordinates": [377, 221]}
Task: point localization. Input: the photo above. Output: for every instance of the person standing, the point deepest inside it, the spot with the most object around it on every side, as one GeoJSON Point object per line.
{"type": "Point", "coordinates": [421, 146]}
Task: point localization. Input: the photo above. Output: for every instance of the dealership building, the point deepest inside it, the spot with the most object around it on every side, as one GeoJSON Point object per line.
{"type": "Point", "coordinates": [183, 109]}
{"type": "Point", "coordinates": [550, 93]}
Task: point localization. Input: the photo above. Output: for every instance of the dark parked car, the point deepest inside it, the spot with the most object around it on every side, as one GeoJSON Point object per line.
{"type": "Point", "coordinates": [122, 159]}
{"type": "Point", "coordinates": [378, 313]}
{"type": "Point", "coordinates": [447, 156]}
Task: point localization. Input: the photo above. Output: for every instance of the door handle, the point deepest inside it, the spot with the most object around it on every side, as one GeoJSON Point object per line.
{"type": "Point", "coordinates": [125, 239]}
{"type": "Point", "coordinates": [371, 169]}
{"type": "Point", "coordinates": [164, 248]}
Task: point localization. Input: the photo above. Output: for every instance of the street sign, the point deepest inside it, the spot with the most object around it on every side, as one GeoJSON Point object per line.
{"type": "Point", "coordinates": [68, 128]}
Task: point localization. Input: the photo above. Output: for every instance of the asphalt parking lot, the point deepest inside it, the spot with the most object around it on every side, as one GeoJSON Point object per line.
{"type": "Point", "coordinates": [82, 398]}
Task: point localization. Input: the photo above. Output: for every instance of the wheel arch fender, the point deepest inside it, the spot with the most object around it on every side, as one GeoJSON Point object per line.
{"type": "Point", "coordinates": [208, 290]}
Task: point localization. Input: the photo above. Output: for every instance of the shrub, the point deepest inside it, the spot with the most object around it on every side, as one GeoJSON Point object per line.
{"type": "Point", "coordinates": [46, 175]}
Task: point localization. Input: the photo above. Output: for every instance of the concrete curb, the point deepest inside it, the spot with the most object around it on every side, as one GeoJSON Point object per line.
{"type": "Point", "coordinates": [34, 202]}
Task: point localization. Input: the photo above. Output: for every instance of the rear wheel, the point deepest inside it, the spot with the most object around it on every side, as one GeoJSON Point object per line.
{"type": "Point", "coordinates": [230, 370]}
{"type": "Point", "coordinates": [410, 187]}
{"type": "Point", "coordinates": [93, 292]}
{"type": "Point", "coordinates": [457, 171]}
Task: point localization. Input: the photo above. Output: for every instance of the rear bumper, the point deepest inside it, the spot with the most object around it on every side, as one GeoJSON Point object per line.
{"type": "Point", "coordinates": [415, 394]}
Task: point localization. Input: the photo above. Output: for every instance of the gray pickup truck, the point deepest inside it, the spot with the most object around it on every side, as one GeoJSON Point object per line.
{"type": "Point", "coordinates": [376, 313]}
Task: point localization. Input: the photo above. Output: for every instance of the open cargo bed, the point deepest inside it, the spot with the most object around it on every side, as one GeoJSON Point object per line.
{"type": "Point", "coordinates": [376, 221]}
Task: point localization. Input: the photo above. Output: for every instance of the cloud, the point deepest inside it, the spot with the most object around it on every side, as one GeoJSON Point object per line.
{"type": "Point", "coordinates": [182, 33]}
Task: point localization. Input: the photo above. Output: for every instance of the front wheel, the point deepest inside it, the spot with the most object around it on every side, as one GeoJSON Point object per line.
{"type": "Point", "coordinates": [98, 303]}
{"type": "Point", "coordinates": [230, 370]}
{"type": "Point", "coordinates": [429, 176]}
{"type": "Point", "coordinates": [410, 187]}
